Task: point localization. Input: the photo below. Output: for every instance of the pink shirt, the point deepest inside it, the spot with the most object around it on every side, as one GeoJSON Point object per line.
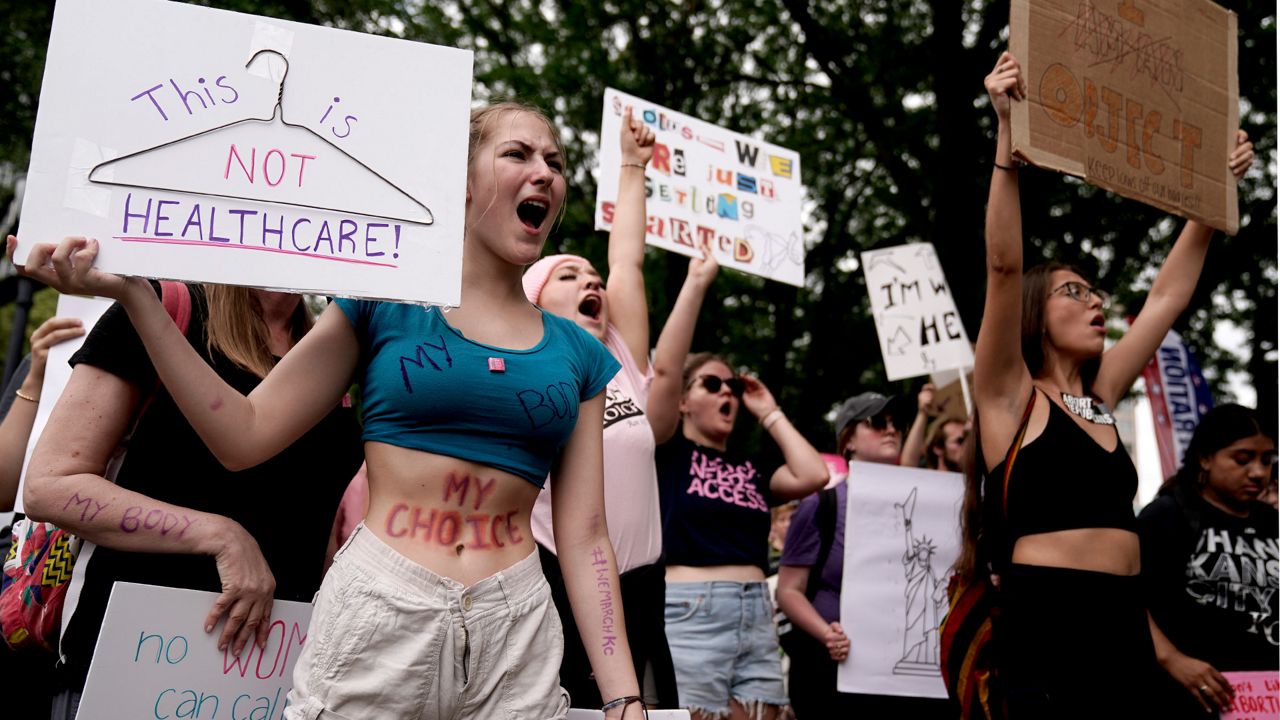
{"type": "Point", "coordinates": [630, 477]}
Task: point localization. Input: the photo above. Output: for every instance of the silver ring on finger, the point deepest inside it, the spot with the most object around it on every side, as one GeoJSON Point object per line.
{"type": "Point", "coordinates": [1204, 689]}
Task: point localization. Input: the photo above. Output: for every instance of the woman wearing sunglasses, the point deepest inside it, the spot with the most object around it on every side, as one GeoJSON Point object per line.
{"type": "Point", "coordinates": [715, 506]}
{"type": "Point", "coordinates": [1072, 633]}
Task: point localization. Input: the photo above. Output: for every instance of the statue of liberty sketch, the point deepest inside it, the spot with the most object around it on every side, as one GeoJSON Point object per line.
{"type": "Point", "coordinates": [926, 600]}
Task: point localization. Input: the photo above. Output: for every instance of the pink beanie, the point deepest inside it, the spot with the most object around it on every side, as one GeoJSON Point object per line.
{"type": "Point", "coordinates": [538, 273]}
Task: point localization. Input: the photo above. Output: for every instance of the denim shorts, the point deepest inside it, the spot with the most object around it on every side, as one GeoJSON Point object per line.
{"type": "Point", "coordinates": [391, 639]}
{"type": "Point", "coordinates": [724, 646]}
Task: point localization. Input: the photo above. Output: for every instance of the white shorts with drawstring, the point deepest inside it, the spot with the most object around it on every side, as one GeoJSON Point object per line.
{"type": "Point", "coordinates": [391, 639]}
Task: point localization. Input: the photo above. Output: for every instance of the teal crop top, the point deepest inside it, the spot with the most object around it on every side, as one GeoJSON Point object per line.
{"type": "Point", "coordinates": [427, 387]}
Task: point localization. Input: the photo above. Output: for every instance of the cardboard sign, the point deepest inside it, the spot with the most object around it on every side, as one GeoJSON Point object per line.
{"type": "Point", "coordinates": [57, 372]}
{"type": "Point", "coordinates": [740, 194]}
{"type": "Point", "coordinates": [1257, 695]}
{"type": "Point", "coordinates": [902, 536]}
{"type": "Point", "coordinates": [183, 141]}
{"type": "Point", "coordinates": [1136, 96]}
{"type": "Point", "coordinates": [949, 396]}
{"type": "Point", "coordinates": [154, 660]}
{"type": "Point", "coordinates": [916, 317]}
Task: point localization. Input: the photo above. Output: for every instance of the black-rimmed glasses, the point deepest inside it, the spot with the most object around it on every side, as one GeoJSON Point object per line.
{"type": "Point", "coordinates": [1080, 292]}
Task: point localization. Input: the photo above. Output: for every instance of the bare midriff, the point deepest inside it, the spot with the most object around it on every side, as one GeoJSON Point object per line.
{"type": "Point", "coordinates": [1106, 550]}
{"type": "Point", "coordinates": [459, 519]}
{"type": "Point", "coordinates": [710, 573]}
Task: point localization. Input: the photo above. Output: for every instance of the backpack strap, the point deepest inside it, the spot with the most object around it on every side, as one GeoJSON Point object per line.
{"type": "Point", "coordinates": [176, 298]}
{"type": "Point", "coordinates": [826, 522]}
{"type": "Point", "coordinates": [1013, 454]}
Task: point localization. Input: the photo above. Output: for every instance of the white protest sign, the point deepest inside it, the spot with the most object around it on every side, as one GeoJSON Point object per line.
{"type": "Point", "coordinates": [154, 660]}
{"type": "Point", "coordinates": [902, 535]}
{"type": "Point", "coordinates": [57, 372]}
{"type": "Point", "coordinates": [916, 318]}
{"type": "Point", "coordinates": [740, 194]}
{"type": "Point", "coordinates": [178, 136]}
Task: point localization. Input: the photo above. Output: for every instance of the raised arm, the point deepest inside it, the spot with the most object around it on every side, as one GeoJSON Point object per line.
{"type": "Point", "coordinates": [15, 430]}
{"type": "Point", "coordinates": [1001, 380]}
{"type": "Point", "coordinates": [240, 431]}
{"type": "Point", "coordinates": [628, 307]}
{"type": "Point", "coordinates": [663, 406]}
{"type": "Point", "coordinates": [913, 445]}
{"type": "Point", "coordinates": [804, 472]}
{"type": "Point", "coordinates": [587, 559]}
{"type": "Point", "coordinates": [65, 486]}
{"type": "Point", "coordinates": [1168, 297]}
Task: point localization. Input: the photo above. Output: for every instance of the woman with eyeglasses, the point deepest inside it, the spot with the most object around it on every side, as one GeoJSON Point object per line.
{"type": "Point", "coordinates": [1072, 637]}
{"type": "Point", "coordinates": [715, 506]}
{"type": "Point", "coordinates": [1209, 570]}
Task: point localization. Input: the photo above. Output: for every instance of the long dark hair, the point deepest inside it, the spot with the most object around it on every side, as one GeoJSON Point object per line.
{"type": "Point", "coordinates": [1035, 343]}
{"type": "Point", "coordinates": [971, 509]}
{"type": "Point", "coordinates": [1222, 426]}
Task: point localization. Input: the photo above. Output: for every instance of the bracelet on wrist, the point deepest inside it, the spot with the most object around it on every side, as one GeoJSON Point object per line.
{"type": "Point", "coordinates": [623, 702]}
{"type": "Point", "coordinates": [26, 397]}
{"type": "Point", "coordinates": [772, 418]}
{"type": "Point", "coordinates": [1009, 168]}
{"type": "Point", "coordinates": [634, 165]}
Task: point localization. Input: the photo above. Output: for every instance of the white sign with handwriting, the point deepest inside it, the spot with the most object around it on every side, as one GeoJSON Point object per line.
{"type": "Point", "coordinates": [154, 660]}
{"type": "Point", "coordinates": [916, 317]}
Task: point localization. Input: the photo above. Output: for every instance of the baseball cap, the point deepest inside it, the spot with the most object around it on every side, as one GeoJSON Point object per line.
{"type": "Point", "coordinates": [859, 408]}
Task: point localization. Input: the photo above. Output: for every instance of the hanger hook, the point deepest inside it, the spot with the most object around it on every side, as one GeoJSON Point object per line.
{"type": "Point", "coordinates": [277, 53]}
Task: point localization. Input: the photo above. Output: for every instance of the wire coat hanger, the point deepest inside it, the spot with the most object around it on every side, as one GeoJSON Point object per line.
{"type": "Point", "coordinates": [277, 113]}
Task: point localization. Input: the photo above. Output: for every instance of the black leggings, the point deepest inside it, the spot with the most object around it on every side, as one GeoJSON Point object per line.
{"type": "Point", "coordinates": [644, 592]}
{"type": "Point", "coordinates": [1073, 644]}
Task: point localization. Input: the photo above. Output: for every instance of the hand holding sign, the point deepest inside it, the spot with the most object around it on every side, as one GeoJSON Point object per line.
{"type": "Point", "coordinates": [1202, 680]}
{"type": "Point", "coordinates": [247, 588]}
{"type": "Point", "coordinates": [68, 268]}
{"type": "Point", "coordinates": [1005, 81]}
{"type": "Point", "coordinates": [1242, 157]}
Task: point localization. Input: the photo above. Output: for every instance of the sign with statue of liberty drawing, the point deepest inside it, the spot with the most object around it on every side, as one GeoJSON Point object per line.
{"type": "Point", "coordinates": [902, 536]}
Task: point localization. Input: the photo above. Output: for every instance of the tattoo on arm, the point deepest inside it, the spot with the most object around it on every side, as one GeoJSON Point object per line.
{"type": "Point", "coordinates": [156, 520]}
{"type": "Point", "coordinates": [89, 507]}
{"type": "Point", "coordinates": [604, 587]}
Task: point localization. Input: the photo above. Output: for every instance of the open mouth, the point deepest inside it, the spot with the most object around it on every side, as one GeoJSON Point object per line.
{"type": "Point", "coordinates": [533, 213]}
{"type": "Point", "coordinates": [726, 410]}
{"type": "Point", "coordinates": [1098, 322]}
{"type": "Point", "coordinates": [591, 306]}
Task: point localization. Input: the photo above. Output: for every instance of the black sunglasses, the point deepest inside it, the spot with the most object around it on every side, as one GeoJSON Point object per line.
{"type": "Point", "coordinates": [712, 383]}
{"type": "Point", "coordinates": [880, 421]}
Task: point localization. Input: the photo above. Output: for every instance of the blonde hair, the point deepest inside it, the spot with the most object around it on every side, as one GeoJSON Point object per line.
{"type": "Point", "coordinates": [483, 117]}
{"type": "Point", "coordinates": [236, 329]}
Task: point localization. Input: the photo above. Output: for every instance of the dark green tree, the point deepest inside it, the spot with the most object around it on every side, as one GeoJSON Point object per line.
{"type": "Point", "coordinates": [883, 100]}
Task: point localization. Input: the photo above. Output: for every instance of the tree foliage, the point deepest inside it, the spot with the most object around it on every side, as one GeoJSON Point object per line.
{"type": "Point", "coordinates": [883, 100]}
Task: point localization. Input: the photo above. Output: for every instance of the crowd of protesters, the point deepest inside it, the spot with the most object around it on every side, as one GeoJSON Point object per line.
{"type": "Point", "coordinates": [636, 496]}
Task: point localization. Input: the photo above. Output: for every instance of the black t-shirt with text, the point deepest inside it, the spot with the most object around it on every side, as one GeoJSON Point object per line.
{"type": "Point", "coordinates": [1213, 591]}
{"type": "Point", "coordinates": [715, 506]}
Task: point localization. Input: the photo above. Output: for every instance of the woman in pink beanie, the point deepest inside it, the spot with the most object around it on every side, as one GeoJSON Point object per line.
{"type": "Point", "coordinates": [641, 410]}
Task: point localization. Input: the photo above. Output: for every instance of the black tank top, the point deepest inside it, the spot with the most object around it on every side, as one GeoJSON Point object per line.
{"type": "Point", "coordinates": [1064, 480]}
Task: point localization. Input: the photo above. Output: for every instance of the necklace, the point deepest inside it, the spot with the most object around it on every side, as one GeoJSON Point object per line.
{"type": "Point", "coordinates": [1097, 413]}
